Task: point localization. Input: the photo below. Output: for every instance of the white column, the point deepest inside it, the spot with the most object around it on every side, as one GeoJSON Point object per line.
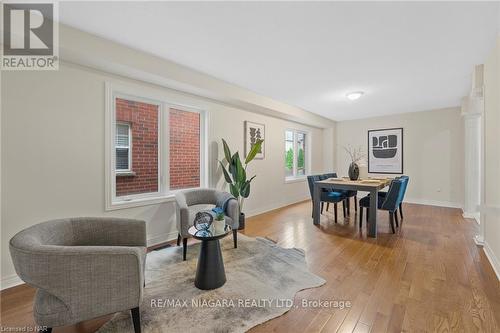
{"type": "Point", "coordinates": [472, 113]}
{"type": "Point", "coordinates": [472, 146]}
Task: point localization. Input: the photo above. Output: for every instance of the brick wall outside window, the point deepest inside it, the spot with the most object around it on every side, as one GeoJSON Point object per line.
{"type": "Point", "coordinates": [143, 118]}
{"type": "Point", "coordinates": [184, 149]}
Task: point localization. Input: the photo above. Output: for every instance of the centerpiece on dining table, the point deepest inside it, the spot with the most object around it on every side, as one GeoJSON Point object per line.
{"type": "Point", "coordinates": [357, 155]}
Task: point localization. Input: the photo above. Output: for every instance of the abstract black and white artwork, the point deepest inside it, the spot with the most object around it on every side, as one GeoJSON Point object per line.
{"type": "Point", "coordinates": [385, 151]}
{"type": "Point", "coordinates": [254, 132]}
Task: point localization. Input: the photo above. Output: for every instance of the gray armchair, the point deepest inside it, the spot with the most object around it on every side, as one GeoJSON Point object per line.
{"type": "Point", "coordinates": [82, 268]}
{"type": "Point", "coordinates": [190, 202]}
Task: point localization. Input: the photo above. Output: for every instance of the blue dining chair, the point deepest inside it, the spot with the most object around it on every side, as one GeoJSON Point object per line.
{"type": "Point", "coordinates": [326, 196]}
{"type": "Point", "coordinates": [334, 175]}
{"type": "Point", "coordinates": [390, 203]}
{"type": "Point", "coordinates": [347, 194]}
{"type": "Point", "coordinates": [382, 194]}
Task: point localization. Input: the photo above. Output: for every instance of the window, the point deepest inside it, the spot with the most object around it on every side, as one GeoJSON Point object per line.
{"type": "Point", "coordinates": [184, 149]}
{"type": "Point", "coordinates": [296, 154]}
{"type": "Point", "coordinates": [156, 148]}
{"type": "Point", "coordinates": [289, 153]}
{"type": "Point", "coordinates": [137, 126]}
{"type": "Point", "coordinates": [301, 151]}
{"type": "Point", "coordinates": [122, 147]}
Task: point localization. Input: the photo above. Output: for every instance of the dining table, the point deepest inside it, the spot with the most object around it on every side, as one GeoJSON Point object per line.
{"type": "Point", "coordinates": [370, 185]}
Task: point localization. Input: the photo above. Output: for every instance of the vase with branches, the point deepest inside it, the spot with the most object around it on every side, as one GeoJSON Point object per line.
{"type": "Point", "coordinates": [356, 154]}
{"type": "Point", "coordinates": [236, 174]}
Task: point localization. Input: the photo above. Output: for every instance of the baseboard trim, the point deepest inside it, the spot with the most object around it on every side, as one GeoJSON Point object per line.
{"type": "Point", "coordinates": [492, 258]}
{"type": "Point", "coordinates": [10, 281]}
{"type": "Point", "coordinates": [479, 240]}
{"type": "Point", "coordinates": [161, 238]}
{"type": "Point", "coordinates": [472, 215]}
{"type": "Point", "coordinates": [426, 202]}
{"type": "Point", "coordinates": [269, 208]}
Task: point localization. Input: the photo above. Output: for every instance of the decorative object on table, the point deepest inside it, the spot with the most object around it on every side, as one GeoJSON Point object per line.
{"type": "Point", "coordinates": [258, 270]}
{"type": "Point", "coordinates": [203, 220]}
{"type": "Point", "coordinates": [253, 133]}
{"type": "Point", "coordinates": [356, 155]}
{"type": "Point", "coordinates": [385, 151]}
{"type": "Point", "coordinates": [236, 175]}
{"type": "Point", "coordinates": [219, 213]}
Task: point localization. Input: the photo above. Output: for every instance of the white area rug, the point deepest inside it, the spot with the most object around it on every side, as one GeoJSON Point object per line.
{"type": "Point", "coordinates": [262, 279]}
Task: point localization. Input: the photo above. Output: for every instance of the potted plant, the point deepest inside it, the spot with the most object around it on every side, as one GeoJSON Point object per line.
{"type": "Point", "coordinates": [219, 214]}
{"type": "Point", "coordinates": [236, 174]}
{"type": "Point", "coordinates": [356, 155]}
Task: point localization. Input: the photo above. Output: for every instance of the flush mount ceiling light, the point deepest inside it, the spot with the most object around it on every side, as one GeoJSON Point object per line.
{"type": "Point", "coordinates": [354, 95]}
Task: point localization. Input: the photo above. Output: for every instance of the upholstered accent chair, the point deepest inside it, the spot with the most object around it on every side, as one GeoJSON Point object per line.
{"type": "Point", "coordinates": [327, 195]}
{"type": "Point", "coordinates": [190, 202]}
{"type": "Point", "coordinates": [82, 268]}
{"type": "Point", "coordinates": [390, 203]}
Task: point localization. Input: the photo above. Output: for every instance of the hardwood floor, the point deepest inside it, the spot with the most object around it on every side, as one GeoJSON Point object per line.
{"type": "Point", "coordinates": [430, 276]}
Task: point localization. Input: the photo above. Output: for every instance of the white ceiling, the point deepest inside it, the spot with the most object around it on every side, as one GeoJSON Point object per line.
{"type": "Point", "coordinates": [405, 56]}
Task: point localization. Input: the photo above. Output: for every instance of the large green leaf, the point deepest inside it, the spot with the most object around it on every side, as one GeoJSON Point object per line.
{"type": "Point", "coordinates": [240, 172]}
{"type": "Point", "coordinates": [234, 190]}
{"type": "Point", "coordinates": [233, 167]}
{"type": "Point", "coordinates": [253, 152]}
{"type": "Point", "coordinates": [245, 189]}
{"type": "Point", "coordinates": [227, 151]}
{"type": "Point", "coordinates": [226, 174]}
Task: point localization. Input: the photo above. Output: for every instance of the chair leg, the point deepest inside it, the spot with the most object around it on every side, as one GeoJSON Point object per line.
{"type": "Point", "coordinates": [335, 211]}
{"type": "Point", "coordinates": [136, 319]}
{"type": "Point", "coordinates": [343, 208]}
{"type": "Point", "coordinates": [391, 220]}
{"type": "Point", "coordinates": [401, 210]}
{"type": "Point", "coordinates": [327, 206]}
{"type": "Point", "coordinates": [235, 238]}
{"type": "Point", "coordinates": [179, 239]}
{"type": "Point", "coordinates": [322, 205]}
{"type": "Point", "coordinates": [348, 205]}
{"type": "Point", "coordinates": [355, 203]}
{"type": "Point", "coordinates": [367, 215]}
{"type": "Point", "coordinates": [396, 218]}
{"type": "Point", "coordinates": [184, 248]}
{"type": "Point", "coordinates": [360, 217]}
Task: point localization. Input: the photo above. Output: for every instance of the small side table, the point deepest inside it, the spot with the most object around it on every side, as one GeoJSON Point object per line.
{"type": "Point", "coordinates": [210, 272]}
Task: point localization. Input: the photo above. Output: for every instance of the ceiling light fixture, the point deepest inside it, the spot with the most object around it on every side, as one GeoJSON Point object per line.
{"type": "Point", "coordinates": [354, 95]}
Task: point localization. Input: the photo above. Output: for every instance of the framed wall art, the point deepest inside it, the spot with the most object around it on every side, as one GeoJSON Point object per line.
{"type": "Point", "coordinates": [385, 151]}
{"type": "Point", "coordinates": [254, 132]}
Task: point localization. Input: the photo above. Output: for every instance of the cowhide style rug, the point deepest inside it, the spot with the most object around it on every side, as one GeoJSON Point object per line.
{"type": "Point", "coordinates": [262, 280]}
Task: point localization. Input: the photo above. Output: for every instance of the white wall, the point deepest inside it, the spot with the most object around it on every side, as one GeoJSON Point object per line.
{"type": "Point", "coordinates": [96, 52]}
{"type": "Point", "coordinates": [491, 196]}
{"type": "Point", "coordinates": [53, 152]}
{"type": "Point", "coordinates": [433, 152]}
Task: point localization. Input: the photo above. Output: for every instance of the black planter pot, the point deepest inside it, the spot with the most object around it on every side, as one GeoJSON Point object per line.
{"type": "Point", "coordinates": [353, 171]}
{"type": "Point", "coordinates": [242, 221]}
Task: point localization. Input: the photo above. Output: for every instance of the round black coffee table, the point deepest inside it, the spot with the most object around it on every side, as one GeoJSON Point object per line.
{"type": "Point", "coordinates": [210, 272]}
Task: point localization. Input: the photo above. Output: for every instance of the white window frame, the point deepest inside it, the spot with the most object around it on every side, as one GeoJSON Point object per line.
{"type": "Point", "coordinates": [164, 194]}
{"type": "Point", "coordinates": [129, 170]}
{"type": "Point", "coordinates": [307, 157]}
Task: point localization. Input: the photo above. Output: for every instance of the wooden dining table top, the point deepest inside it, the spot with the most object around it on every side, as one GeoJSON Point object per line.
{"type": "Point", "coordinates": [366, 182]}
